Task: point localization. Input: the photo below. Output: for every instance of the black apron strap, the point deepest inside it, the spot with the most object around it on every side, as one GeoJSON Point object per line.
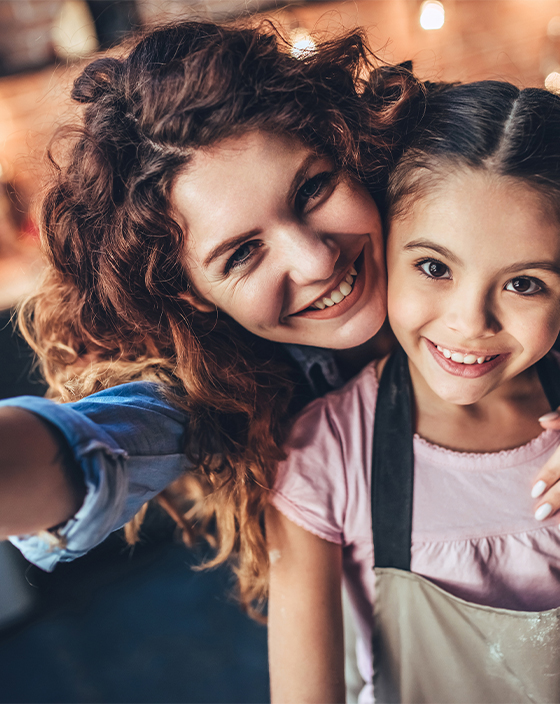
{"type": "Point", "coordinates": [393, 457]}
{"type": "Point", "coordinates": [393, 463]}
{"type": "Point", "coordinates": [549, 375]}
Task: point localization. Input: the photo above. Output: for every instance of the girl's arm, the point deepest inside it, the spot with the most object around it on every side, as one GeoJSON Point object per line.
{"type": "Point", "coordinates": [39, 485]}
{"type": "Point", "coordinates": [306, 642]}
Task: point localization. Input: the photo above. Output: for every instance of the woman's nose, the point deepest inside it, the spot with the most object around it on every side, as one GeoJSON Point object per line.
{"type": "Point", "coordinates": [309, 256]}
{"type": "Point", "coordinates": [472, 314]}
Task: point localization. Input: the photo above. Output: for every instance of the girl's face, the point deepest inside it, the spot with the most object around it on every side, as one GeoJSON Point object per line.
{"type": "Point", "coordinates": [281, 242]}
{"type": "Point", "coordinates": [474, 283]}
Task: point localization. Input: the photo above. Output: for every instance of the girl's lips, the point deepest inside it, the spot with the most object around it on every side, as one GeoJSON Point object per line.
{"type": "Point", "coordinates": [344, 305]}
{"type": "Point", "coordinates": [467, 371]}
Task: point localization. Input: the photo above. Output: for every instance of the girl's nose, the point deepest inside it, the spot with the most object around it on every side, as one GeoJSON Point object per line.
{"type": "Point", "coordinates": [472, 314]}
{"type": "Point", "coordinates": [309, 256]}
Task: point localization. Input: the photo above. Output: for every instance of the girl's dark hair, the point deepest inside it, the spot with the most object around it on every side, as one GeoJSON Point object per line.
{"type": "Point", "coordinates": [488, 125]}
{"type": "Point", "coordinates": [110, 309]}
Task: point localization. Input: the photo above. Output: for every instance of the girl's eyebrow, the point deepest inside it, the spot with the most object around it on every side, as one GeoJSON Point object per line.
{"type": "Point", "coordinates": [236, 240]}
{"type": "Point", "coordinates": [545, 265]}
{"type": "Point", "coordinates": [426, 244]}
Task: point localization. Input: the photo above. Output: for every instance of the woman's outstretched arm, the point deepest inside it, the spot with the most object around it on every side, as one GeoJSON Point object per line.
{"type": "Point", "coordinates": [306, 642]}
{"type": "Point", "coordinates": [39, 486]}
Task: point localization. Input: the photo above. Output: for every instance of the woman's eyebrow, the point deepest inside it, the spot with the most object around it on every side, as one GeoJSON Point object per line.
{"type": "Point", "coordinates": [228, 245]}
{"type": "Point", "coordinates": [426, 244]}
{"type": "Point", "coordinates": [236, 240]}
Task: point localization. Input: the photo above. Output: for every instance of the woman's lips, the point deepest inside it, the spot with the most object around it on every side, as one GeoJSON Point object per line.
{"type": "Point", "coordinates": [339, 308]}
{"type": "Point", "coordinates": [467, 371]}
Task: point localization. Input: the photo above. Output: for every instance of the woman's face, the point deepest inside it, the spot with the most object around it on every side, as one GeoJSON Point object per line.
{"type": "Point", "coordinates": [281, 242]}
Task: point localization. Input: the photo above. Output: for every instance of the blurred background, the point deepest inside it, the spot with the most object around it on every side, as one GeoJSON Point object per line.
{"type": "Point", "coordinates": [141, 625]}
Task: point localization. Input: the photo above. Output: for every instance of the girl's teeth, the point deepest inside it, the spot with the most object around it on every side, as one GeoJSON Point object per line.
{"type": "Point", "coordinates": [349, 279]}
{"type": "Point", "coordinates": [320, 305]}
{"type": "Point", "coordinates": [353, 272]}
{"type": "Point", "coordinates": [337, 296]}
{"type": "Point", "coordinates": [328, 302]}
{"type": "Point", "coordinates": [345, 288]}
{"type": "Point", "coordinates": [460, 358]}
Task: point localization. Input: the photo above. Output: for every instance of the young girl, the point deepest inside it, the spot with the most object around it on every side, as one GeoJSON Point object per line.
{"type": "Point", "coordinates": [466, 592]}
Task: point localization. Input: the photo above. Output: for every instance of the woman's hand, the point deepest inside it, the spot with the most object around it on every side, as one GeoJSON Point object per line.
{"type": "Point", "coordinates": [39, 487]}
{"type": "Point", "coordinates": [306, 641]}
{"type": "Point", "coordinates": [547, 484]}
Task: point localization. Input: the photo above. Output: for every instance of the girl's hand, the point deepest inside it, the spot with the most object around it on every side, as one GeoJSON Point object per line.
{"type": "Point", "coordinates": [547, 484]}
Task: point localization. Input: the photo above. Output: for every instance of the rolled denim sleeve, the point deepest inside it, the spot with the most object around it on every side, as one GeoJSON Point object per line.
{"type": "Point", "coordinates": [129, 444]}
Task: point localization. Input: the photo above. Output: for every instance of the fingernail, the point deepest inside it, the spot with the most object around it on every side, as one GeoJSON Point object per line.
{"type": "Point", "coordinates": [553, 415]}
{"type": "Point", "coordinates": [543, 511]}
{"type": "Point", "coordinates": [538, 489]}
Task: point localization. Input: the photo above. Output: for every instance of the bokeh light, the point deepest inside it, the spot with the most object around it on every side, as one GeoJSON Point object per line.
{"type": "Point", "coordinates": [432, 15]}
{"type": "Point", "coordinates": [302, 44]}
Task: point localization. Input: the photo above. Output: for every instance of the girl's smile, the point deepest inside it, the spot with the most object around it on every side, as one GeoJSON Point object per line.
{"type": "Point", "coordinates": [474, 284]}
{"type": "Point", "coordinates": [286, 245]}
{"type": "Point", "coordinates": [469, 365]}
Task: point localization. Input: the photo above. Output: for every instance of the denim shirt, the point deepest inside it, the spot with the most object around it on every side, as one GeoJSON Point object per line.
{"type": "Point", "coordinates": [129, 443]}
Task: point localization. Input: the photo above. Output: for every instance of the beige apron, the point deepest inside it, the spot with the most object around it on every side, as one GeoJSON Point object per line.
{"type": "Point", "coordinates": [428, 645]}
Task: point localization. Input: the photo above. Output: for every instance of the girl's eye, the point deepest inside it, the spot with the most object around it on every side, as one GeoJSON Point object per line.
{"type": "Point", "coordinates": [241, 256]}
{"type": "Point", "coordinates": [312, 189]}
{"type": "Point", "coordinates": [434, 269]}
{"type": "Point", "coordinates": [524, 285]}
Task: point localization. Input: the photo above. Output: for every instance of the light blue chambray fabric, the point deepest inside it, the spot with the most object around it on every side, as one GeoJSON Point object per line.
{"type": "Point", "coordinates": [129, 443]}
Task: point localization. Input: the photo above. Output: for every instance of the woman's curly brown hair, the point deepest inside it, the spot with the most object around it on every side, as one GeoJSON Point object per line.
{"type": "Point", "coordinates": [110, 308]}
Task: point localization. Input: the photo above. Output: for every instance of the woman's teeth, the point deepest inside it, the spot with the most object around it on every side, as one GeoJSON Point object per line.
{"type": "Point", "coordinates": [464, 358]}
{"type": "Point", "coordinates": [338, 294]}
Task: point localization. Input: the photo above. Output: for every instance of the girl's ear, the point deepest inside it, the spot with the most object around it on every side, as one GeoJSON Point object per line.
{"type": "Point", "coordinates": [197, 302]}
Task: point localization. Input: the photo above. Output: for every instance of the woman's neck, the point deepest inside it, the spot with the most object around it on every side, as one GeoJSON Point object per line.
{"type": "Point", "coordinates": [353, 360]}
{"type": "Point", "coordinates": [504, 419]}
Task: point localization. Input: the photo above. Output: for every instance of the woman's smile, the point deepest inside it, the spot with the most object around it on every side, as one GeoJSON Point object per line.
{"type": "Point", "coordinates": [288, 246]}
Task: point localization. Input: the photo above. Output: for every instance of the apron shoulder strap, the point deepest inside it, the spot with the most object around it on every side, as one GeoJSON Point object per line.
{"type": "Point", "coordinates": [549, 376]}
{"type": "Point", "coordinates": [393, 466]}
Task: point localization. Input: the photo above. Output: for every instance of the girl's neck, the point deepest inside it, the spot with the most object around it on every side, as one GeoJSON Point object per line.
{"type": "Point", "coordinates": [504, 419]}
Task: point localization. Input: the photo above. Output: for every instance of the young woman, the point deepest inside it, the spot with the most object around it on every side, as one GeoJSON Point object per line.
{"type": "Point", "coordinates": [220, 194]}
{"type": "Point", "coordinates": [465, 599]}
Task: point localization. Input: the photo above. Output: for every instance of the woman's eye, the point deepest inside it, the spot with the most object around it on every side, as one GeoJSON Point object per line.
{"type": "Point", "coordinates": [241, 255]}
{"type": "Point", "coordinates": [313, 188]}
{"type": "Point", "coordinates": [434, 269]}
{"type": "Point", "coordinates": [523, 285]}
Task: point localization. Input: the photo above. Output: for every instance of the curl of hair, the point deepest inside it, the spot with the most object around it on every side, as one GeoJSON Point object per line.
{"type": "Point", "coordinates": [110, 308]}
{"type": "Point", "coordinates": [489, 126]}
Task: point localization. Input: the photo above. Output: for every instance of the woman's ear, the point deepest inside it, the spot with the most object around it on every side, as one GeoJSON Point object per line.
{"type": "Point", "coordinates": [197, 302]}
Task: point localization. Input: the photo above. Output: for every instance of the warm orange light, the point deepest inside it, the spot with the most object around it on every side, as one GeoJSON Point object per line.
{"type": "Point", "coordinates": [432, 15]}
{"type": "Point", "coordinates": [553, 29]}
{"type": "Point", "coordinates": [302, 44]}
{"type": "Point", "coordinates": [552, 82]}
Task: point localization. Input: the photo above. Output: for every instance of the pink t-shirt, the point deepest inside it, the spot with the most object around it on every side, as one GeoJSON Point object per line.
{"type": "Point", "coordinates": [473, 528]}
